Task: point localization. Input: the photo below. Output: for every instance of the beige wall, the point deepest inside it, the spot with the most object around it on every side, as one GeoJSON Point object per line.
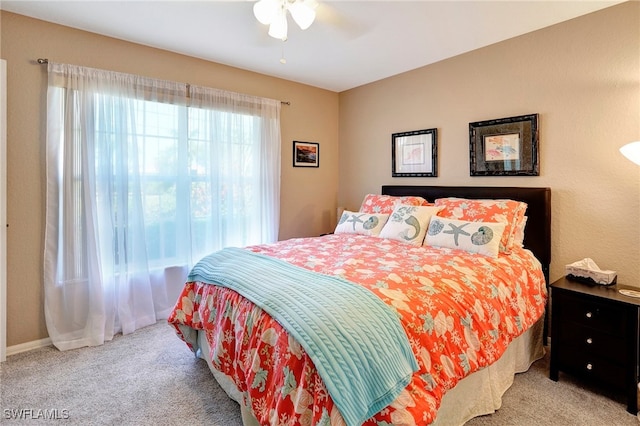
{"type": "Point", "coordinates": [308, 196]}
{"type": "Point", "coordinates": [581, 76]}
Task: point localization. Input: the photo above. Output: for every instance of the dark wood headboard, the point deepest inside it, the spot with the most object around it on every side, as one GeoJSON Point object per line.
{"type": "Point", "coordinates": [538, 230]}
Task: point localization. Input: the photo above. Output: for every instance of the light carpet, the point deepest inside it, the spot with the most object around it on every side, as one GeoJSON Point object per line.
{"type": "Point", "coordinates": [150, 377]}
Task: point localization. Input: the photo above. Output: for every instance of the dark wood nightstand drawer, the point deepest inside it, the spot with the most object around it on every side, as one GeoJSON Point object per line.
{"type": "Point", "coordinates": [592, 367]}
{"type": "Point", "coordinates": [581, 339]}
{"type": "Point", "coordinates": [591, 313]}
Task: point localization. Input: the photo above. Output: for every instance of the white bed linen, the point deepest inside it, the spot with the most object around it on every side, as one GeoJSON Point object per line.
{"type": "Point", "coordinates": [478, 394]}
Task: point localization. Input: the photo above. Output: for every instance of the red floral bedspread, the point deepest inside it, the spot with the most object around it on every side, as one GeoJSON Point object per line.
{"type": "Point", "coordinates": [459, 311]}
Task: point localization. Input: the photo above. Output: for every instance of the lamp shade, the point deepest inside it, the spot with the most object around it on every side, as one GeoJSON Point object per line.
{"type": "Point", "coordinates": [632, 151]}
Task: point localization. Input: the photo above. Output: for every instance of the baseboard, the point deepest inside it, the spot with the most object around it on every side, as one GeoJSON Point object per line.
{"type": "Point", "coordinates": [28, 346]}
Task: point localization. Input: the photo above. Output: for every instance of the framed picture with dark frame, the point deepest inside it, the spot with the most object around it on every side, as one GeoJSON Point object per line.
{"type": "Point", "coordinates": [414, 153]}
{"type": "Point", "coordinates": [306, 154]}
{"type": "Point", "coordinates": [504, 147]}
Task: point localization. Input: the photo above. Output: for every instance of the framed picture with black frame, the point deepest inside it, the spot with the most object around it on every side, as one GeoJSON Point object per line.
{"type": "Point", "coordinates": [414, 153]}
{"type": "Point", "coordinates": [306, 154]}
{"type": "Point", "coordinates": [504, 147]}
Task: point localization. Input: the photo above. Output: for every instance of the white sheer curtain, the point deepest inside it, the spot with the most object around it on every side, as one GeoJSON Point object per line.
{"type": "Point", "coordinates": [144, 177]}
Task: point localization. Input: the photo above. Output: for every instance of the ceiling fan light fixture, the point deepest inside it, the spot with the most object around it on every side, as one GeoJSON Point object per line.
{"type": "Point", "coordinates": [303, 12]}
{"type": "Point", "coordinates": [274, 14]}
{"type": "Point", "coordinates": [265, 11]}
{"type": "Point", "coordinates": [278, 27]}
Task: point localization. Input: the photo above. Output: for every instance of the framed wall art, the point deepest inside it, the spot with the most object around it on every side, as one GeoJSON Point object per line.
{"type": "Point", "coordinates": [306, 154]}
{"type": "Point", "coordinates": [414, 154]}
{"type": "Point", "coordinates": [504, 147]}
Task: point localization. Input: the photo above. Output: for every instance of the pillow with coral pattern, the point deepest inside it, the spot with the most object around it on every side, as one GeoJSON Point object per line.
{"type": "Point", "coordinates": [509, 212]}
{"type": "Point", "coordinates": [384, 204]}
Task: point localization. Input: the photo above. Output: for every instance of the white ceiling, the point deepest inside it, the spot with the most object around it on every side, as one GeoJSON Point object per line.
{"type": "Point", "coordinates": [351, 43]}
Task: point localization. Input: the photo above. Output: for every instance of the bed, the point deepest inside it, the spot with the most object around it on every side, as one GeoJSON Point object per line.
{"type": "Point", "coordinates": [450, 315]}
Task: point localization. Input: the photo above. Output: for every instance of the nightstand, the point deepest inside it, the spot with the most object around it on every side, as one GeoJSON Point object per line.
{"type": "Point", "coordinates": [595, 336]}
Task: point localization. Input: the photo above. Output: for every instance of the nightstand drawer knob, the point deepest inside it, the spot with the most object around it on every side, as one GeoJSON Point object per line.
{"type": "Point", "coordinates": [589, 366]}
{"type": "Point", "coordinates": [589, 314]}
{"type": "Point", "coordinates": [589, 340]}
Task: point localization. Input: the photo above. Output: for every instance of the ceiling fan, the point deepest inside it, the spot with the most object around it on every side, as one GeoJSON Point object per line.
{"type": "Point", "coordinates": [274, 14]}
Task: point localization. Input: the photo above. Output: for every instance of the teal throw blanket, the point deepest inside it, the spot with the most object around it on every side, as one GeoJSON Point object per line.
{"type": "Point", "coordinates": [355, 340]}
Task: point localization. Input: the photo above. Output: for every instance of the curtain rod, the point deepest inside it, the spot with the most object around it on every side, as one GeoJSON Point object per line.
{"type": "Point", "coordinates": [46, 61]}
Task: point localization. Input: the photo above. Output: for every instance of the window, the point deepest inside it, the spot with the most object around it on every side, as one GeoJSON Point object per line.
{"type": "Point", "coordinates": [142, 177]}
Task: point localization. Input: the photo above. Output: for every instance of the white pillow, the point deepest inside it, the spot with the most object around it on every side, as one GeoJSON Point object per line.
{"type": "Point", "coordinates": [361, 223]}
{"type": "Point", "coordinates": [409, 223]}
{"type": "Point", "coordinates": [474, 237]}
